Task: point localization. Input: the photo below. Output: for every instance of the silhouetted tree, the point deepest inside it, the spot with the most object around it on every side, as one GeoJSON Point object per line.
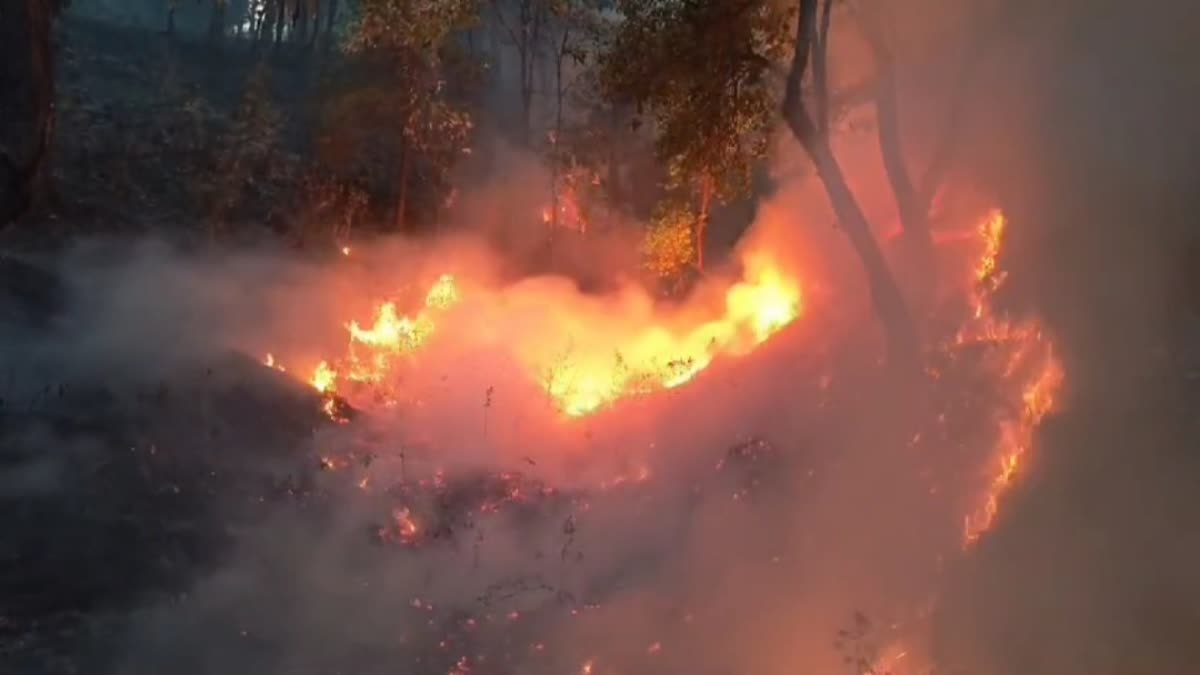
{"type": "Point", "coordinates": [27, 104]}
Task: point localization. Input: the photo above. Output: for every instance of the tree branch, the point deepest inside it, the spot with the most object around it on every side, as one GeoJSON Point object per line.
{"type": "Point", "coordinates": [820, 67]}
{"type": "Point", "coordinates": [913, 210]}
{"type": "Point", "coordinates": [794, 110]}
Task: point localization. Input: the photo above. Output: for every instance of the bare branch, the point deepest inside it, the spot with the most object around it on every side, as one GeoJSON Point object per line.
{"type": "Point", "coordinates": [794, 110]}
{"type": "Point", "coordinates": [820, 67]}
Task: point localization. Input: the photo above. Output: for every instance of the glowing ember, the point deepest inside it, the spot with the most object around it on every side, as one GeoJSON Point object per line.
{"type": "Point", "coordinates": [270, 362]}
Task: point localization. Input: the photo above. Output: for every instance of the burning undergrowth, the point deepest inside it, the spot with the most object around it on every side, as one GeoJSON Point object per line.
{"type": "Point", "coordinates": [459, 475]}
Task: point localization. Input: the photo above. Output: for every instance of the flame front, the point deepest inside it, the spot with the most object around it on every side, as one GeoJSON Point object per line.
{"type": "Point", "coordinates": [1030, 364]}
{"type": "Point", "coordinates": [659, 357]}
{"type": "Point", "coordinates": [612, 362]}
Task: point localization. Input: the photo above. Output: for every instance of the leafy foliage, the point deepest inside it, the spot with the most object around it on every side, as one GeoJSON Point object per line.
{"type": "Point", "coordinates": [669, 248]}
{"type": "Point", "coordinates": [700, 69]}
{"type": "Point", "coordinates": [251, 162]}
{"type": "Point", "coordinates": [388, 114]}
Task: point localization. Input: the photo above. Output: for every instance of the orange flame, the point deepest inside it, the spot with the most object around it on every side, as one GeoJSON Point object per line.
{"type": "Point", "coordinates": [659, 358]}
{"type": "Point", "coordinates": [1030, 361]}
{"type": "Point", "coordinates": [635, 361]}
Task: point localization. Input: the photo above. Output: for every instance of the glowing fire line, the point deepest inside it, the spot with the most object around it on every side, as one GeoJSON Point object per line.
{"type": "Point", "coordinates": [653, 357]}
{"type": "Point", "coordinates": [1031, 363]}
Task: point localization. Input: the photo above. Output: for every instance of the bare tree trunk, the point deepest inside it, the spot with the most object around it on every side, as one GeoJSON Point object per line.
{"type": "Point", "coordinates": [280, 14]}
{"type": "Point", "coordinates": [525, 37]}
{"type": "Point", "coordinates": [526, 97]}
{"type": "Point", "coordinates": [402, 201]}
{"type": "Point", "coordinates": [262, 24]}
{"type": "Point", "coordinates": [943, 155]}
{"type": "Point", "coordinates": [913, 210]}
{"type": "Point", "coordinates": [300, 22]}
{"type": "Point", "coordinates": [316, 23]}
{"type": "Point", "coordinates": [330, 22]}
{"type": "Point", "coordinates": [890, 307]}
{"type": "Point", "coordinates": [216, 21]}
{"type": "Point", "coordinates": [556, 156]}
{"type": "Point", "coordinates": [27, 107]}
{"type": "Point", "coordinates": [172, 5]}
{"type": "Point", "coordinates": [616, 192]}
{"type": "Point", "coordinates": [706, 198]}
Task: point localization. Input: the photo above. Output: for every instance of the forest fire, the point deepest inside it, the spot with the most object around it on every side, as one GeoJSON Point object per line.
{"type": "Point", "coordinates": [626, 347]}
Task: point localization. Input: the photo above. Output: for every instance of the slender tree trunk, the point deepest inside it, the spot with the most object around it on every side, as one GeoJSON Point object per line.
{"type": "Point", "coordinates": [890, 307]}
{"type": "Point", "coordinates": [27, 106]}
{"type": "Point", "coordinates": [526, 97]}
{"type": "Point", "coordinates": [706, 199]}
{"type": "Point", "coordinates": [263, 22]}
{"type": "Point", "coordinates": [943, 154]}
{"type": "Point", "coordinates": [316, 24]}
{"type": "Point", "coordinates": [556, 155]}
{"type": "Point", "coordinates": [300, 22]}
{"type": "Point", "coordinates": [171, 7]}
{"type": "Point", "coordinates": [616, 191]}
{"type": "Point", "coordinates": [402, 201]}
{"type": "Point", "coordinates": [280, 20]}
{"type": "Point", "coordinates": [885, 293]}
{"type": "Point", "coordinates": [913, 210]}
{"type": "Point", "coordinates": [330, 22]}
{"type": "Point", "coordinates": [216, 21]}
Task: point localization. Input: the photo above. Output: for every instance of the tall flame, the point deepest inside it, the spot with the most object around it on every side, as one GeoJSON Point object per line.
{"type": "Point", "coordinates": [1030, 364]}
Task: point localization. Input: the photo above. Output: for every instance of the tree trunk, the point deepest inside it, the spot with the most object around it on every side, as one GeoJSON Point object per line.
{"type": "Point", "coordinates": [170, 30]}
{"type": "Point", "coordinates": [216, 21]}
{"type": "Point", "coordinates": [330, 22]}
{"type": "Point", "coordinates": [556, 155]}
{"type": "Point", "coordinates": [27, 106]}
{"type": "Point", "coordinates": [889, 303]}
{"type": "Point", "coordinates": [402, 201]}
{"type": "Point", "coordinates": [900, 333]}
{"type": "Point", "coordinates": [300, 22]}
{"type": "Point", "coordinates": [263, 22]}
{"type": "Point", "coordinates": [706, 198]}
{"type": "Point", "coordinates": [316, 23]}
{"type": "Point", "coordinates": [912, 208]}
{"type": "Point", "coordinates": [280, 15]}
{"type": "Point", "coordinates": [526, 98]}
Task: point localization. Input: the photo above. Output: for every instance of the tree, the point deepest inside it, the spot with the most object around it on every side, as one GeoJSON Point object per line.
{"type": "Point", "coordinates": [216, 21]}
{"type": "Point", "coordinates": [699, 68]}
{"type": "Point", "coordinates": [710, 73]}
{"type": "Point", "coordinates": [526, 31]}
{"type": "Point", "coordinates": [810, 51]}
{"type": "Point", "coordinates": [27, 106]}
{"type": "Point", "coordinates": [399, 120]}
{"type": "Point", "coordinates": [250, 163]}
{"type": "Point", "coordinates": [577, 25]}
